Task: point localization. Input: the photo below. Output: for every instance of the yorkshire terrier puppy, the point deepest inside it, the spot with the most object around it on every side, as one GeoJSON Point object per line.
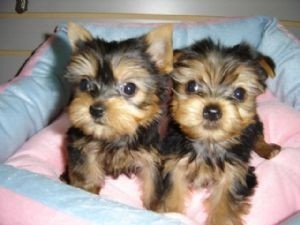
{"type": "Point", "coordinates": [116, 108]}
{"type": "Point", "coordinates": [214, 128]}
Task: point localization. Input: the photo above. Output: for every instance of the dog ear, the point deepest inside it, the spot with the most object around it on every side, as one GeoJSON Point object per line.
{"type": "Point", "coordinates": [77, 34]}
{"type": "Point", "coordinates": [160, 47]}
{"type": "Point", "coordinates": [176, 55]}
{"type": "Point", "coordinates": [267, 64]}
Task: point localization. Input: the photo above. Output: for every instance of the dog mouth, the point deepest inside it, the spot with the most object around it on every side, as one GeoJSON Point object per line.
{"type": "Point", "coordinates": [98, 121]}
{"type": "Point", "coordinates": [211, 125]}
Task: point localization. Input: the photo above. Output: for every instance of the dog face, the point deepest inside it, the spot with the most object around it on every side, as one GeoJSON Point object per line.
{"type": "Point", "coordinates": [215, 89]}
{"type": "Point", "coordinates": [118, 85]}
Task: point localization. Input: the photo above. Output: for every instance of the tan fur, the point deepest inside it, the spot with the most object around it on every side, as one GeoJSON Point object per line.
{"type": "Point", "coordinates": [99, 163]}
{"type": "Point", "coordinates": [76, 33]}
{"type": "Point", "coordinates": [219, 205]}
{"type": "Point", "coordinates": [266, 66]}
{"type": "Point", "coordinates": [127, 70]}
{"type": "Point", "coordinates": [121, 118]}
{"type": "Point", "coordinates": [187, 110]}
{"type": "Point", "coordinates": [89, 174]}
{"type": "Point", "coordinates": [175, 199]}
{"type": "Point", "coordinates": [148, 174]}
{"type": "Point", "coordinates": [161, 49]}
{"type": "Point", "coordinates": [83, 65]}
{"type": "Point", "coordinates": [266, 150]}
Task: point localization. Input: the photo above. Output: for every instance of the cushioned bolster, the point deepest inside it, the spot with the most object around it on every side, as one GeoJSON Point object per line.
{"type": "Point", "coordinates": [30, 103]}
{"type": "Point", "coordinates": [293, 220]}
{"type": "Point", "coordinates": [229, 31]}
{"type": "Point", "coordinates": [284, 49]}
{"type": "Point", "coordinates": [76, 202]}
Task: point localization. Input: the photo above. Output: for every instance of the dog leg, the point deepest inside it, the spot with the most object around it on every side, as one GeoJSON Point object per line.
{"type": "Point", "coordinates": [151, 181]}
{"type": "Point", "coordinates": [85, 172]}
{"type": "Point", "coordinates": [228, 201]}
{"type": "Point", "coordinates": [264, 149]}
{"type": "Point", "coordinates": [176, 188]}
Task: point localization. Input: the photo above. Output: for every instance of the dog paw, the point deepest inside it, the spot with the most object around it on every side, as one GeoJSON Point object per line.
{"type": "Point", "coordinates": [275, 150]}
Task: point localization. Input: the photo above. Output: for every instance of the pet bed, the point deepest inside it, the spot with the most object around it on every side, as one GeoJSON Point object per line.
{"type": "Point", "coordinates": [33, 122]}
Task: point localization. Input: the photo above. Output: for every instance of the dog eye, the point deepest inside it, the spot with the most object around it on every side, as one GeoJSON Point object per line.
{"type": "Point", "coordinates": [85, 85]}
{"type": "Point", "coordinates": [239, 93]}
{"type": "Point", "coordinates": [88, 86]}
{"type": "Point", "coordinates": [128, 89]}
{"type": "Point", "coordinates": [192, 87]}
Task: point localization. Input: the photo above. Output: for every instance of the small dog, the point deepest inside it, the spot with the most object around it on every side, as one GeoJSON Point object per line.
{"type": "Point", "coordinates": [116, 108]}
{"type": "Point", "coordinates": [214, 128]}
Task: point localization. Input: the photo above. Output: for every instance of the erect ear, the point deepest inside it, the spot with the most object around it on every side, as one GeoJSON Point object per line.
{"type": "Point", "coordinates": [77, 34]}
{"type": "Point", "coordinates": [160, 42]}
{"type": "Point", "coordinates": [267, 64]}
{"type": "Point", "coordinates": [176, 56]}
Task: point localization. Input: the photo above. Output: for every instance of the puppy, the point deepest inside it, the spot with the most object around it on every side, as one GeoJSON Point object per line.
{"type": "Point", "coordinates": [119, 90]}
{"type": "Point", "coordinates": [214, 128]}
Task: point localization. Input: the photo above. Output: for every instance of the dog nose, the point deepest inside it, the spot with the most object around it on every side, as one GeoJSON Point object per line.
{"type": "Point", "coordinates": [97, 110]}
{"type": "Point", "coordinates": [212, 113]}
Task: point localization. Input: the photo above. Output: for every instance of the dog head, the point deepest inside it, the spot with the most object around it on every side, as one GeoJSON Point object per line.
{"type": "Point", "coordinates": [118, 85]}
{"type": "Point", "coordinates": [215, 88]}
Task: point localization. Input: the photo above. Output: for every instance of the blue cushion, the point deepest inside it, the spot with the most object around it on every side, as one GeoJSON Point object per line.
{"type": "Point", "coordinates": [30, 103]}
{"type": "Point", "coordinates": [285, 51]}
{"type": "Point", "coordinates": [84, 207]}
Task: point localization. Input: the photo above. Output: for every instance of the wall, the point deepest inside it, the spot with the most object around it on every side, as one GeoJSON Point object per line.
{"type": "Point", "coordinates": [22, 33]}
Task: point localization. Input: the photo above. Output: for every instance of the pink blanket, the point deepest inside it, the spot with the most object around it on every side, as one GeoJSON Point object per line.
{"type": "Point", "coordinates": [277, 195]}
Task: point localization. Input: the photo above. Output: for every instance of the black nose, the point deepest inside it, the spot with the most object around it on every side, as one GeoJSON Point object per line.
{"type": "Point", "coordinates": [212, 113]}
{"type": "Point", "coordinates": [97, 110]}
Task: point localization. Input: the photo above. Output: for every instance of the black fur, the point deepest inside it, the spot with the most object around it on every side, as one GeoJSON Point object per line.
{"type": "Point", "coordinates": [247, 140]}
{"type": "Point", "coordinates": [176, 143]}
{"type": "Point", "coordinates": [243, 53]}
{"type": "Point", "coordinates": [247, 189]}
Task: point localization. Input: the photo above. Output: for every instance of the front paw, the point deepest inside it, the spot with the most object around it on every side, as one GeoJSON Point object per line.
{"type": "Point", "coordinates": [167, 207]}
{"type": "Point", "coordinates": [128, 171]}
{"type": "Point", "coordinates": [95, 189]}
{"type": "Point", "coordinates": [266, 150]}
{"type": "Point", "coordinates": [89, 187]}
{"type": "Point", "coordinates": [64, 177]}
{"type": "Point", "coordinates": [275, 149]}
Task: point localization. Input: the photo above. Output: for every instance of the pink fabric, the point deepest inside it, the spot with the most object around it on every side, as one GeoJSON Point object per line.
{"type": "Point", "coordinates": [277, 195]}
{"type": "Point", "coordinates": [44, 152]}
{"type": "Point", "coordinates": [30, 212]}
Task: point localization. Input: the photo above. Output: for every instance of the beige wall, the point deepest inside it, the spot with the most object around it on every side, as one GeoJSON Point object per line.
{"type": "Point", "coordinates": [20, 34]}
